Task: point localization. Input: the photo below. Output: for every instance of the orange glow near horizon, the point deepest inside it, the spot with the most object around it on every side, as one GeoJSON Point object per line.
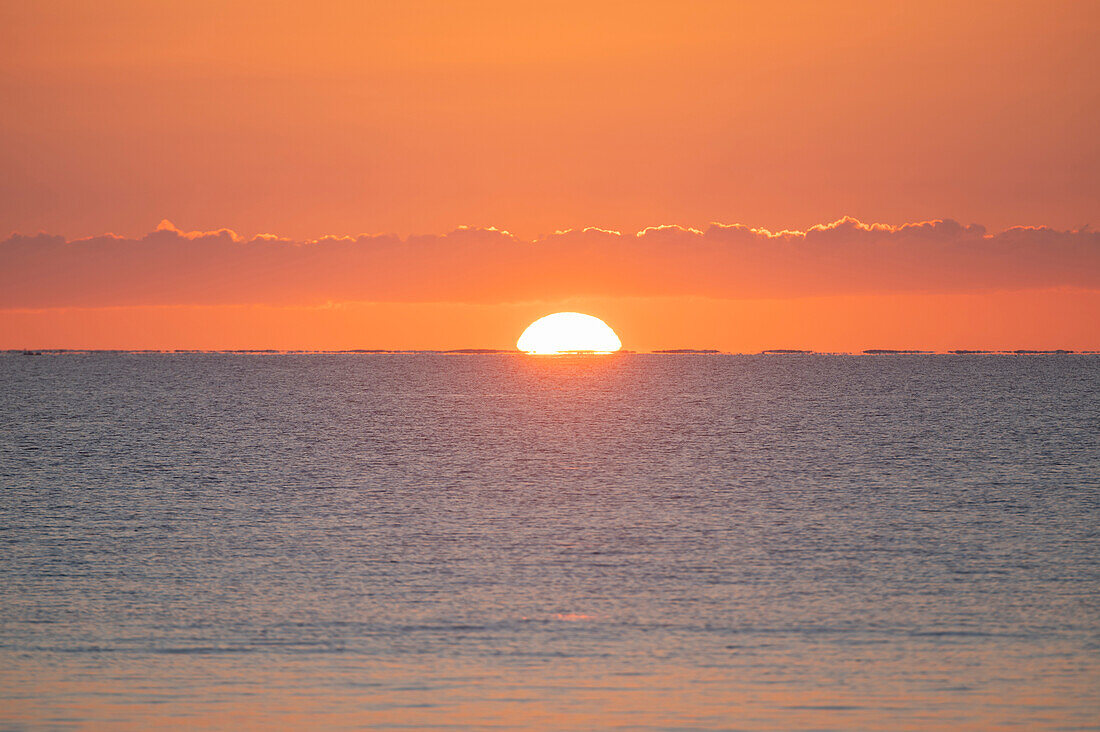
{"type": "Point", "coordinates": [1034, 319]}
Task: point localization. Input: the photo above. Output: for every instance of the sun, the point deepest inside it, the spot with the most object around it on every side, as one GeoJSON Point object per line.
{"type": "Point", "coordinates": [568, 333]}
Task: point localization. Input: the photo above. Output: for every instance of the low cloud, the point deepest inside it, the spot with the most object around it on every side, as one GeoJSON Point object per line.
{"type": "Point", "coordinates": [173, 267]}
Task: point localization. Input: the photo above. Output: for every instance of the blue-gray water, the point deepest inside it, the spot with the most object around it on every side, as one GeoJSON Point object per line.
{"type": "Point", "coordinates": [637, 542]}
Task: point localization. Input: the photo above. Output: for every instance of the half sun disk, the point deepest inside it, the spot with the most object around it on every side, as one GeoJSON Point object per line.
{"type": "Point", "coordinates": [568, 333]}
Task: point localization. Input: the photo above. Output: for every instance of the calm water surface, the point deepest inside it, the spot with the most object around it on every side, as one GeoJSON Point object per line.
{"type": "Point", "coordinates": [635, 542]}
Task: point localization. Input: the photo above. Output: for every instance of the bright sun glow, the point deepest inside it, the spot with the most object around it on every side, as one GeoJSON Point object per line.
{"type": "Point", "coordinates": [568, 333]}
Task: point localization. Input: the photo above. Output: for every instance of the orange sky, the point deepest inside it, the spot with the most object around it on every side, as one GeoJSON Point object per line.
{"type": "Point", "coordinates": [335, 118]}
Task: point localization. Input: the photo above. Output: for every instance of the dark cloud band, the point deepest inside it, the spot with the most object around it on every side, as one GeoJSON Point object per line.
{"type": "Point", "coordinates": [171, 267]}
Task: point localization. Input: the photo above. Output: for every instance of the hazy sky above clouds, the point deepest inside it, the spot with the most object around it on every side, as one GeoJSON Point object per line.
{"type": "Point", "coordinates": [343, 117]}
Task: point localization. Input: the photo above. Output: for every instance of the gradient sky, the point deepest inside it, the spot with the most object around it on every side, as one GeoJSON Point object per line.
{"type": "Point", "coordinates": [330, 119]}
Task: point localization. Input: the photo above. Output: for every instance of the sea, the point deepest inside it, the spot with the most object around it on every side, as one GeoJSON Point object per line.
{"type": "Point", "coordinates": [500, 541]}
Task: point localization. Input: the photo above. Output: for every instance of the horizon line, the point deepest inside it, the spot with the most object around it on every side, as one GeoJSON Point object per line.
{"type": "Point", "coordinates": [517, 352]}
